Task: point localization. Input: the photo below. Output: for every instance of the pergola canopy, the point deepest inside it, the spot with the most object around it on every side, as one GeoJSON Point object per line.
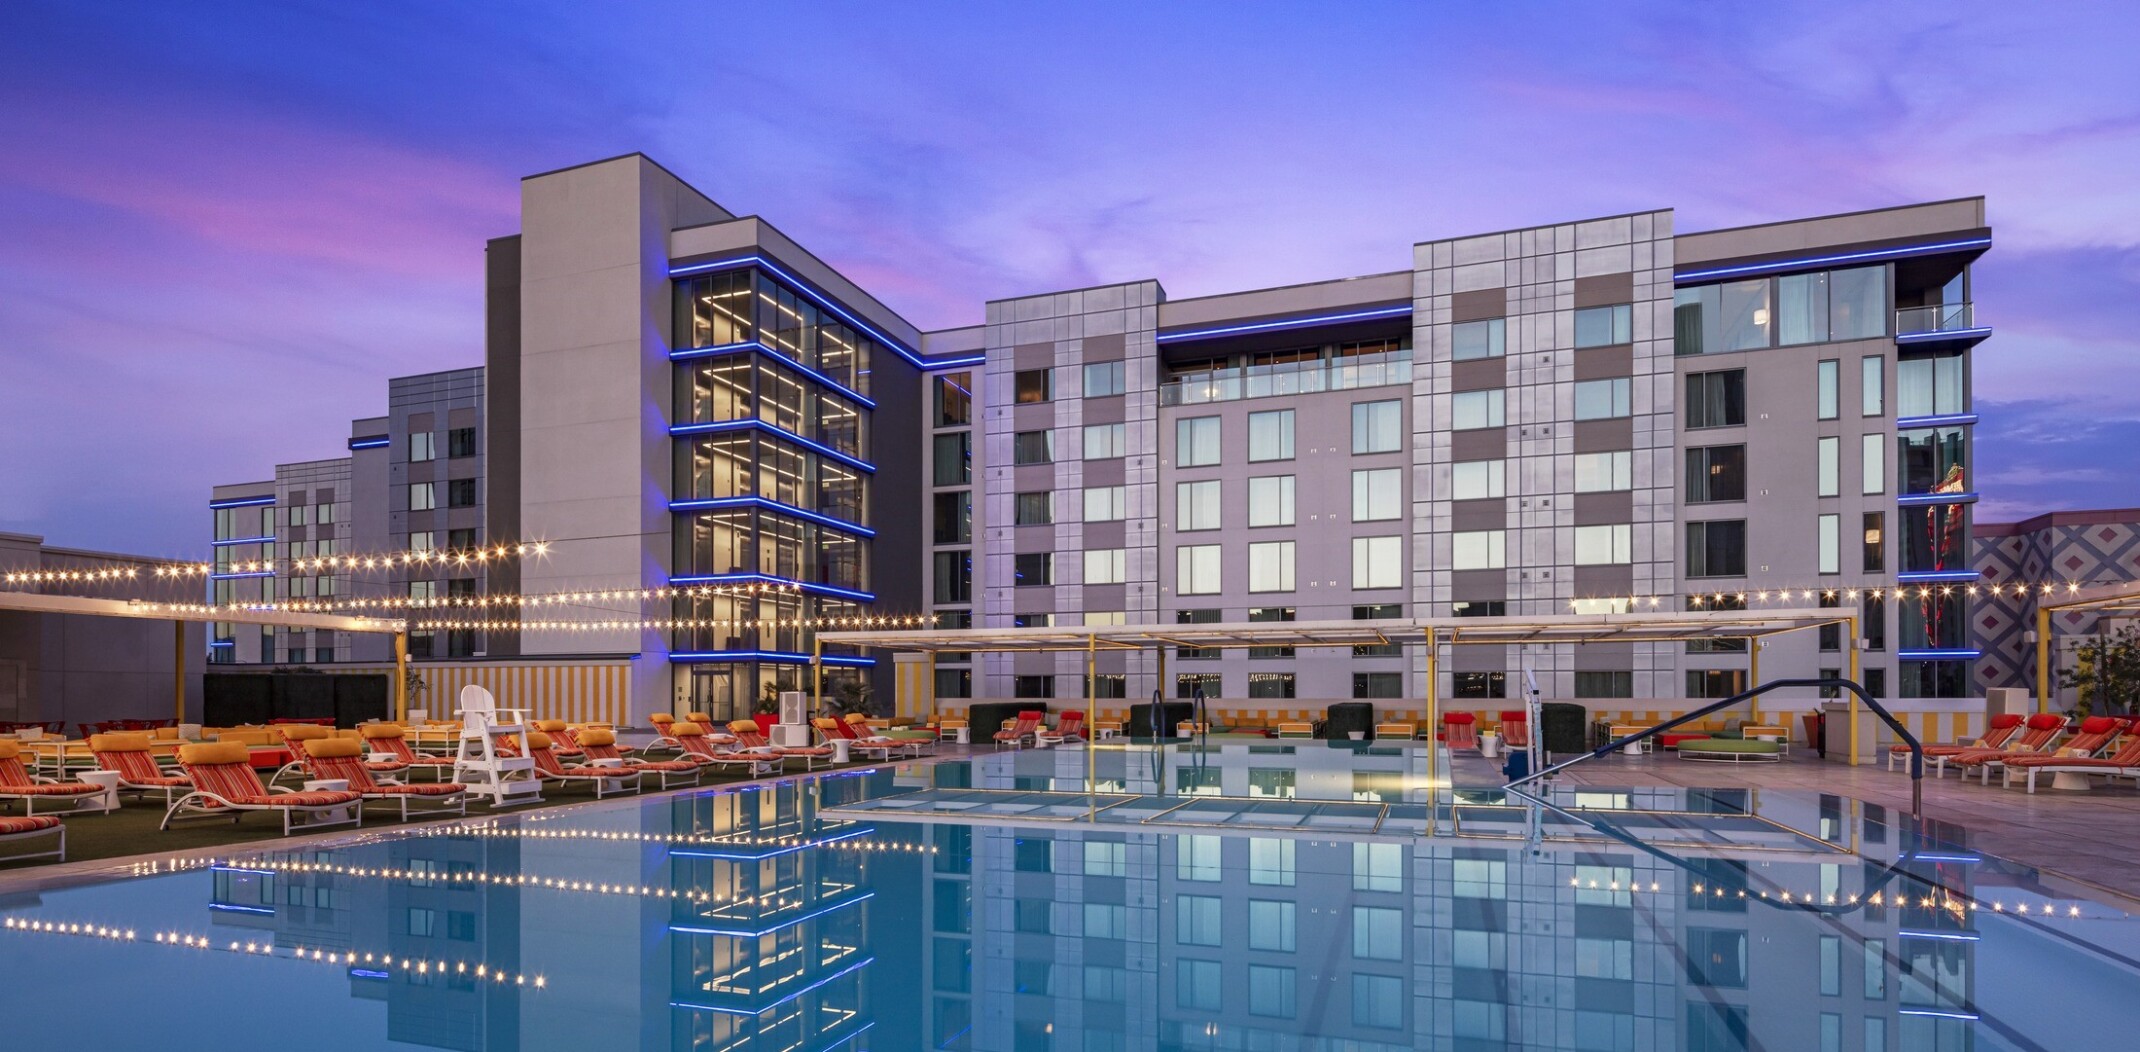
{"type": "Point", "coordinates": [1565, 628]}
{"type": "Point", "coordinates": [30, 602]}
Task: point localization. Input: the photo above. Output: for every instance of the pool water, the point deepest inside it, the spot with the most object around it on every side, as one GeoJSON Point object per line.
{"type": "Point", "coordinates": [1237, 898]}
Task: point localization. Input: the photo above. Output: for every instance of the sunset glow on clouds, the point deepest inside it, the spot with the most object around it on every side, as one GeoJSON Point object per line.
{"type": "Point", "coordinates": [227, 224]}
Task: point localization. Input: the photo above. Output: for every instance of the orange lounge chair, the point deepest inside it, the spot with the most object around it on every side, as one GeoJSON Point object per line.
{"type": "Point", "coordinates": [1020, 733]}
{"type": "Point", "coordinates": [563, 741]}
{"type": "Point", "coordinates": [224, 783]}
{"type": "Point", "coordinates": [343, 758]}
{"type": "Point", "coordinates": [391, 741]}
{"type": "Point", "coordinates": [1069, 728]}
{"type": "Point", "coordinates": [130, 754]}
{"type": "Point", "coordinates": [23, 827]}
{"type": "Point", "coordinates": [664, 733]}
{"type": "Point", "coordinates": [2123, 763]}
{"type": "Point", "coordinates": [606, 780]}
{"type": "Point", "coordinates": [749, 738]}
{"type": "Point", "coordinates": [295, 735]}
{"type": "Point", "coordinates": [1515, 730]}
{"type": "Point", "coordinates": [2040, 735]}
{"type": "Point", "coordinates": [830, 729]}
{"type": "Point", "coordinates": [600, 744]}
{"type": "Point", "coordinates": [1460, 730]}
{"type": "Point", "coordinates": [1997, 735]}
{"type": "Point", "coordinates": [699, 748]}
{"type": "Point", "coordinates": [858, 725]}
{"type": "Point", "coordinates": [17, 783]}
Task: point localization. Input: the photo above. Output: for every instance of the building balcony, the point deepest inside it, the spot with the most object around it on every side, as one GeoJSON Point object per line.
{"type": "Point", "coordinates": [1942, 323]}
{"type": "Point", "coordinates": [1290, 378]}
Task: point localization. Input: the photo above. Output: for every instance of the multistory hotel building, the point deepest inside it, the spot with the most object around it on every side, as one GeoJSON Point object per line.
{"type": "Point", "coordinates": [1591, 416]}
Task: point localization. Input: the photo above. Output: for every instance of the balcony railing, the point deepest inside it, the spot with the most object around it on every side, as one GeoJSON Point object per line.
{"type": "Point", "coordinates": [1940, 317]}
{"type": "Point", "coordinates": [1291, 378]}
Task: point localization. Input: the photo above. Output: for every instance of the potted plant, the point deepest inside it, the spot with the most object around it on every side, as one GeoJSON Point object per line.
{"type": "Point", "coordinates": [767, 713]}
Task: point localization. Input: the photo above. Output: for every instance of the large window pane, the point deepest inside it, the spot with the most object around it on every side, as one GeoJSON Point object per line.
{"type": "Point", "coordinates": [1478, 550]}
{"type": "Point", "coordinates": [1378, 562]}
{"type": "Point", "coordinates": [1270, 500]}
{"type": "Point", "coordinates": [1105, 503]}
{"type": "Point", "coordinates": [1744, 323]}
{"type": "Point", "coordinates": [1104, 441]}
{"type": "Point", "coordinates": [1477, 479]}
{"type": "Point", "coordinates": [1716, 549]}
{"type": "Point", "coordinates": [1604, 545]}
{"type": "Point", "coordinates": [1716, 473]}
{"type": "Point", "coordinates": [1377, 494]}
{"type": "Point", "coordinates": [1802, 308]}
{"type": "Point", "coordinates": [1470, 410]}
{"type": "Point", "coordinates": [1477, 339]}
{"type": "Point", "coordinates": [1604, 472]}
{"type": "Point", "coordinates": [1196, 441]}
{"type": "Point", "coordinates": [1830, 536]}
{"type": "Point", "coordinates": [954, 399]}
{"type": "Point", "coordinates": [1872, 386]}
{"type": "Point", "coordinates": [1035, 509]}
{"type": "Point", "coordinates": [1604, 326]}
{"type": "Point", "coordinates": [1872, 464]}
{"type": "Point", "coordinates": [1196, 505]}
{"type": "Point", "coordinates": [1828, 466]}
{"type": "Point", "coordinates": [1103, 379]}
{"type": "Point", "coordinates": [1270, 435]}
{"type": "Point", "coordinates": [1033, 447]}
{"type": "Point", "coordinates": [1196, 569]}
{"type": "Point", "coordinates": [1270, 566]}
{"type": "Point", "coordinates": [1857, 301]}
{"type": "Point", "coordinates": [954, 459]}
{"type": "Point", "coordinates": [1033, 385]}
{"type": "Point", "coordinates": [1377, 427]}
{"type": "Point", "coordinates": [1929, 386]}
{"type": "Point", "coordinates": [1716, 399]}
{"type": "Point", "coordinates": [1932, 459]}
{"type": "Point", "coordinates": [1828, 399]}
{"type": "Point", "coordinates": [1602, 399]}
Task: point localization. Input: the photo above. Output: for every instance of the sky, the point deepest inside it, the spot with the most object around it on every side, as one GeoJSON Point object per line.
{"type": "Point", "coordinates": [223, 226]}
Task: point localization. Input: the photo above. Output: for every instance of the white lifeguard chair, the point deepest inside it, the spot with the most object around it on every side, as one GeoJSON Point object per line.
{"type": "Point", "coordinates": [477, 763]}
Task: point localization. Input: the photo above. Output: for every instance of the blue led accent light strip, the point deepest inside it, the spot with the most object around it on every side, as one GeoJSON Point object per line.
{"type": "Point", "coordinates": [777, 657]}
{"type": "Point", "coordinates": [790, 849]}
{"type": "Point", "coordinates": [371, 442]}
{"type": "Point", "coordinates": [229, 908]}
{"type": "Point", "coordinates": [235, 576]}
{"type": "Point", "coordinates": [1955, 654]}
{"type": "Point", "coordinates": [1927, 576]}
{"type": "Point", "coordinates": [1916, 499]}
{"type": "Point", "coordinates": [1949, 936]}
{"type": "Point", "coordinates": [1284, 323]}
{"type": "Point", "coordinates": [1868, 255]}
{"type": "Point", "coordinates": [755, 345]}
{"type": "Point", "coordinates": [682, 430]}
{"type": "Point", "coordinates": [369, 973]}
{"type": "Point", "coordinates": [724, 503]}
{"type": "Point", "coordinates": [743, 933]}
{"type": "Point", "coordinates": [222, 642]}
{"type": "Point", "coordinates": [1927, 857]}
{"type": "Point", "coordinates": [241, 502]}
{"type": "Point", "coordinates": [1937, 335]}
{"type": "Point", "coordinates": [783, 999]}
{"type": "Point", "coordinates": [744, 578]}
{"type": "Point", "coordinates": [1908, 423]}
{"type": "Point", "coordinates": [1939, 1014]}
{"type": "Point", "coordinates": [267, 539]}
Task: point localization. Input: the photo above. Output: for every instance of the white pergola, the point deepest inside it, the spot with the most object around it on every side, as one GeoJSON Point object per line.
{"type": "Point", "coordinates": [1432, 633]}
{"type": "Point", "coordinates": [179, 614]}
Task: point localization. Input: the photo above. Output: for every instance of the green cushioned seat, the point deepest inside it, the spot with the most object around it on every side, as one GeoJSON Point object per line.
{"type": "Point", "coordinates": [1729, 749]}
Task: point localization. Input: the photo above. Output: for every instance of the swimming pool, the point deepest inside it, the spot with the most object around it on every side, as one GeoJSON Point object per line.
{"type": "Point", "coordinates": [1271, 897]}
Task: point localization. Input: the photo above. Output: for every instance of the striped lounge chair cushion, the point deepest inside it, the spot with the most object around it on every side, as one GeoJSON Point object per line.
{"type": "Point", "coordinates": [17, 825]}
{"type": "Point", "coordinates": [417, 789]}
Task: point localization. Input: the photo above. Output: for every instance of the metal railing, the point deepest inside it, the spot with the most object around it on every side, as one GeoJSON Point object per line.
{"type": "Point", "coordinates": [1917, 750]}
{"type": "Point", "coordinates": [1939, 317]}
{"type": "Point", "coordinates": [1290, 378]}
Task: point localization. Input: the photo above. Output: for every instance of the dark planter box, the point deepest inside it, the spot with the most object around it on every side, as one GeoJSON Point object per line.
{"type": "Point", "coordinates": [985, 718]}
{"type": "Point", "coordinates": [1344, 717]}
{"type": "Point", "coordinates": [301, 696]}
{"type": "Point", "coordinates": [232, 698]}
{"type": "Point", "coordinates": [1171, 714]}
{"type": "Point", "coordinates": [361, 697]}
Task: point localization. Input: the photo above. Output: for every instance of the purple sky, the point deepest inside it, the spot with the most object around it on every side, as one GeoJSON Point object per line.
{"type": "Point", "coordinates": [223, 226]}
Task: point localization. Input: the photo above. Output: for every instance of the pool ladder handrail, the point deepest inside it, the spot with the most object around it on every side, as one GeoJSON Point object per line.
{"type": "Point", "coordinates": [1917, 750]}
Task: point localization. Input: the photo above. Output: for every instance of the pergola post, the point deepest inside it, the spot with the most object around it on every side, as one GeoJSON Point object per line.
{"type": "Point", "coordinates": [817, 675]}
{"type": "Point", "coordinates": [178, 670]}
{"type": "Point", "coordinates": [1753, 670]}
{"type": "Point", "coordinates": [935, 711]}
{"type": "Point", "coordinates": [1434, 724]}
{"type": "Point", "coordinates": [2043, 660]}
{"type": "Point", "coordinates": [401, 676]}
{"type": "Point", "coordinates": [1092, 669]}
{"type": "Point", "coordinates": [1850, 635]}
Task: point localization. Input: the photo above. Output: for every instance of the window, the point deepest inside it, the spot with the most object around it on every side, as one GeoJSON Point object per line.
{"type": "Point", "coordinates": [1270, 684]}
{"type": "Point", "coordinates": [1604, 545]}
{"type": "Point", "coordinates": [1716, 473]}
{"type": "Point", "coordinates": [1271, 991]}
{"type": "Point", "coordinates": [1872, 464]}
{"type": "Point", "coordinates": [1196, 569]}
{"type": "Point", "coordinates": [1271, 925]}
{"type": "Point", "coordinates": [1270, 435]}
{"type": "Point", "coordinates": [1196, 985]}
{"type": "Point", "coordinates": [954, 399]}
{"type": "Point", "coordinates": [1828, 461]}
{"type": "Point", "coordinates": [1715, 682]}
{"type": "Point", "coordinates": [1477, 339]}
{"type": "Point", "coordinates": [1265, 614]}
{"type": "Point", "coordinates": [1196, 617]}
{"type": "Point", "coordinates": [1716, 549]}
{"type": "Point", "coordinates": [1857, 303]}
{"type": "Point", "coordinates": [423, 540]}
{"type": "Point", "coordinates": [1828, 401]}
{"type": "Point", "coordinates": [1481, 684]}
{"type": "Point", "coordinates": [1033, 686]}
{"type": "Point", "coordinates": [1928, 386]}
{"type": "Point", "coordinates": [1270, 500]}
{"type": "Point", "coordinates": [1830, 535]}
{"type": "Point", "coordinates": [1197, 920]}
{"type": "Point", "coordinates": [1604, 684]}
{"type": "Point", "coordinates": [1196, 858]}
{"type": "Point", "coordinates": [1032, 620]}
{"type": "Point", "coordinates": [1378, 933]}
{"type": "Point", "coordinates": [1104, 441]}
{"type": "Point", "coordinates": [1872, 389]}
{"type": "Point", "coordinates": [1604, 472]}
{"type": "Point", "coordinates": [1196, 441]}
{"type": "Point", "coordinates": [1271, 861]}
{"type": "Point", "coordinates": [1106, 565]}
{"type": "Point", "coordinates": [423, 445]}
{"type": "Point", "coordinates": [464, 537]}
{"type": "Point", "coordinates": [1034, 509]}
{"type": "Point", "coordinates": [1033, 568]}
{"type": "Point", "coordinates": [1196, 505]}
{"type": "Point", "coordinates": [423, 496]}
{"type": "Point", "coordinates": [954, 683]}
{"type": "Point", "coordinates": [954, 517]}
{"type": "Point", "coordinates": [1194, 684]}
{"type": "Point", "coordinates": [1377, 494]}
{"type": "Point", "coordinates": [1872, 627]}
{"type": "Point", "coordinates": [1377, 426]}
{"type": "Point", "coordinates": [1802, 308]}
{"type": "Point", "coordinates": [1107, 684]}
{"type": "Point", "coordinates": [1930, 458]}
{"type": "Point", "coordinates": [1368, 685]}
{"type": "Point", "coordinates": [461, 442]}
{"type": "Point", "coordinates": [954, 458]}
{"type": "Point", "coordinates": [1875, 547]}
{"type": "Point", "coordinates": [1103, 379]}
{"type": "Point", "coordinates": [1603, 399]}
{"type": "Point", "coordinates": [954, 577]}
{"type": "Point", "coordinates": [1605, 326]}
{"type": "Point", "coordinates": [1717, 958]}
{"type": "Point", "coordinates": [1471, 410]}
{"type": "Point", "coordinates": [461, 493]}
{"type": "Point", "coordinates": [1105, 503]}
{"type": "Point", "coordinates": [1476, 479]}
{"type": "Point", "coordinates": [1378, 1001]}
{"type": "Point", "coordinates": [1378, 562]}
{"type": "Point", "coordinates": [1034, 385]}
{"type": "Point", "coordinates": [1033, 447]}
{"type": "Point", "coordinates": [1378, 612]}
{"type": "Point", "coordinates": [1270, 566]}
{"type": "Point", "coordinates": [1716, 399]}
{"type": "Point", "coordinates": [1478, 550]}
